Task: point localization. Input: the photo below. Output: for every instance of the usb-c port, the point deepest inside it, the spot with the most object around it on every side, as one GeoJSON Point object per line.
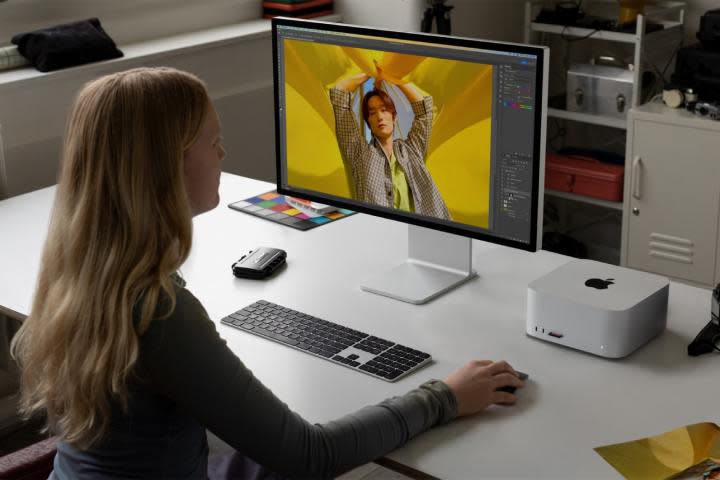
{"type": "Point", "coordinates": [555, 334]}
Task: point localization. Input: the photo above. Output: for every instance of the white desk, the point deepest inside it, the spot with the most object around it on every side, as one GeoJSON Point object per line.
{"type": "Point", "coordinates": [574, 401]}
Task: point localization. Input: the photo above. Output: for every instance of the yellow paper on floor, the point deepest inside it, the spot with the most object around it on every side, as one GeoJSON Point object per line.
{"type": "Point", "coordinates": [691, 452]}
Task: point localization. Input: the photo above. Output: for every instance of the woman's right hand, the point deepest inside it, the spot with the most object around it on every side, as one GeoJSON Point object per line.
{"type": "Point", "coordinates": [476, 385]}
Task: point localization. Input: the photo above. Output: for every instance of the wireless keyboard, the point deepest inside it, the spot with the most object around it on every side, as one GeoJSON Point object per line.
{"type": "Point", "coordinates": [374, 356]}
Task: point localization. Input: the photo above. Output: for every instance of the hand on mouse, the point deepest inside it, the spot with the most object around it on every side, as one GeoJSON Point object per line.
{"type": "Point", "coordinates": [475, 385]}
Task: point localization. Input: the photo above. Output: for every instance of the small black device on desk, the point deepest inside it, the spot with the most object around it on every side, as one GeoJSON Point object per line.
{"type": "Point", "coordinates": [259, 263]}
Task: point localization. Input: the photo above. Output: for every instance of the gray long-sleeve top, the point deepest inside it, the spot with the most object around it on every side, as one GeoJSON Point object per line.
{"type": "Point", "coordinates": [189, 380]}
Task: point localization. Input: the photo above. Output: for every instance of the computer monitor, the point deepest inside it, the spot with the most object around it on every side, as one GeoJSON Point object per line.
{"type": "Point", "coordinates": [443, 133]}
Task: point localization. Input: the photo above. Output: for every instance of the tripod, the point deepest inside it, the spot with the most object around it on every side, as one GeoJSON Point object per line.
{"type": "Point", "coordinates": [441, 13]}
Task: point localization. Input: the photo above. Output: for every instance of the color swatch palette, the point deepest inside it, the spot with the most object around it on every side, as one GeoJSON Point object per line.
{"type": "Point", "coordinates": [272, 206]}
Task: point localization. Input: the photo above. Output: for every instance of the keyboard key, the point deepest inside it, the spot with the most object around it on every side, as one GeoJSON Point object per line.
{"type": "Point", "coordinates": [276, 336]}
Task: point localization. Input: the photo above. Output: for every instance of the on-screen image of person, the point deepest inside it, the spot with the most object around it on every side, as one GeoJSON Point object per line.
{"type": "Point", "coordinates": [386, 171]}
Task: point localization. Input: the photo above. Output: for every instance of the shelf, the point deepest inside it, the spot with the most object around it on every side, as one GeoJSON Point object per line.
{"type": "Point", "coordinates": [589, 118]}
{"type": "Point", "coordinates": [150, 50]}
{"type": "Point", "coordinates": [577, 32]}
{"type": "Point", "coordinates": [585, 199]}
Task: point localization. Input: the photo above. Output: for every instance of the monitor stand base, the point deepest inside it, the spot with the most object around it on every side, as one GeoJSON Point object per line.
{"type": "Point", "coordinates": [437, 262]}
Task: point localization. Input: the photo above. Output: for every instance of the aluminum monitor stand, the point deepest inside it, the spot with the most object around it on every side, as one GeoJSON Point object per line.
{"type": "Point", "coordinates": [437, 262]}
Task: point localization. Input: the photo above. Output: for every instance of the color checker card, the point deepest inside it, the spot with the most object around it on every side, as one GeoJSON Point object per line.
{"type": "Point", "coordinates": [272, 206]}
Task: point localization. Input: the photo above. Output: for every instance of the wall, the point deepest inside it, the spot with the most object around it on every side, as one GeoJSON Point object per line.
{"type": "Point", "coordinates": [126, 21]}
{"type": "Point", "coordinates": [239, 78]}
{"type": "Point", "coordinates": [489, 19]}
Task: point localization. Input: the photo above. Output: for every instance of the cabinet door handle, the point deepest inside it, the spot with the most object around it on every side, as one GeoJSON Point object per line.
{"type": "Point", "coordinates": [636, 172]}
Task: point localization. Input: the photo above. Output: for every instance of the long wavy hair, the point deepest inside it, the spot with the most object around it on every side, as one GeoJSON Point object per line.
{"type": "Point", "coordinates": [121, 225]}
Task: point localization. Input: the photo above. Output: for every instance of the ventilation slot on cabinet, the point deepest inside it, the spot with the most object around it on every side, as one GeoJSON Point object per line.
{"type": "Point", "coordinates": [671, 248]}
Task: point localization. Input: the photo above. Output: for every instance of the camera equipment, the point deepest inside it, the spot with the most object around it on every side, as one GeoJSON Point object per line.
{"type": "Point", "coordinates": [707, 109]}
{"type": "Point", "coordinates": [706, 341]}
{"type": "Point", "coordinates": [441, 13]}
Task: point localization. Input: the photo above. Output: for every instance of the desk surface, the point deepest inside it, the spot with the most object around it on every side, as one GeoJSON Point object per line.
{"type": "Point", "coordinates": [573, 402]}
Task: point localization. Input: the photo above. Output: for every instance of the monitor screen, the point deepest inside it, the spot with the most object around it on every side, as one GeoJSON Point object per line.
{"type": "Point", "coordinates": [435, 131]}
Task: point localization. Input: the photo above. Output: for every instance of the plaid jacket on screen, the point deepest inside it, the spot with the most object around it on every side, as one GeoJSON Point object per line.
{"type": "Point", "coordinates": [367, 165]}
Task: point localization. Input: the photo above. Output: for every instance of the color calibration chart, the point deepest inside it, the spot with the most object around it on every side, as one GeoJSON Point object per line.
{"type": "Point", "coordinates": [272, 206]}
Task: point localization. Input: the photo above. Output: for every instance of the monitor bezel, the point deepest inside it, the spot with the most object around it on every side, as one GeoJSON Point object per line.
{"type": "Point", "coordinates": [427, 222]}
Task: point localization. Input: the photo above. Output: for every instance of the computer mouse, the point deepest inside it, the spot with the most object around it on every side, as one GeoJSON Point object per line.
{"type": "Point", "coordinates": [510, 389]}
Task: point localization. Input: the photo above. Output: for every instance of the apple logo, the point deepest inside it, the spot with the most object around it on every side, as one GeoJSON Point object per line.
{"type": "Point", "coordinates": [599, 283]}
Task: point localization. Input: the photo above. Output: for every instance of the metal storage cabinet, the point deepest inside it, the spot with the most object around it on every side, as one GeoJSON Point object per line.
{"type": "Point", "coordinates": [672, 187]}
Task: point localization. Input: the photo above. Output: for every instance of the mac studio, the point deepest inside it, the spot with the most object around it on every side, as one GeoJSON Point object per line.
{"type": "Point", "coordinates": [624, 249]}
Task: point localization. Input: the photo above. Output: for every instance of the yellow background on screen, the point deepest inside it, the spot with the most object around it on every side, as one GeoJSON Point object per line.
{"type": "Point", "coordinates": [459, 150]}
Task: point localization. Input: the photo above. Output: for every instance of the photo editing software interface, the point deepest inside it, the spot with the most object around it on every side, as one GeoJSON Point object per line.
{"type": "Point", "coordinates": [410, 127]}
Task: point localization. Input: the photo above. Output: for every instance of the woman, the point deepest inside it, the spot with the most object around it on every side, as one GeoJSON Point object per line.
{"type": "Point", "coordinates": [125, 362]}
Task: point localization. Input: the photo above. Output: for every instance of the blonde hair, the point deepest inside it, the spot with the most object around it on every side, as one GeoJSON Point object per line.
{"type": "Point", "coordinates": [121, 226]}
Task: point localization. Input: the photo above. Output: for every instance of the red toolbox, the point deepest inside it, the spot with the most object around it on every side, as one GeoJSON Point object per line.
{"type": "Point", "coordinates": [584, 176]}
